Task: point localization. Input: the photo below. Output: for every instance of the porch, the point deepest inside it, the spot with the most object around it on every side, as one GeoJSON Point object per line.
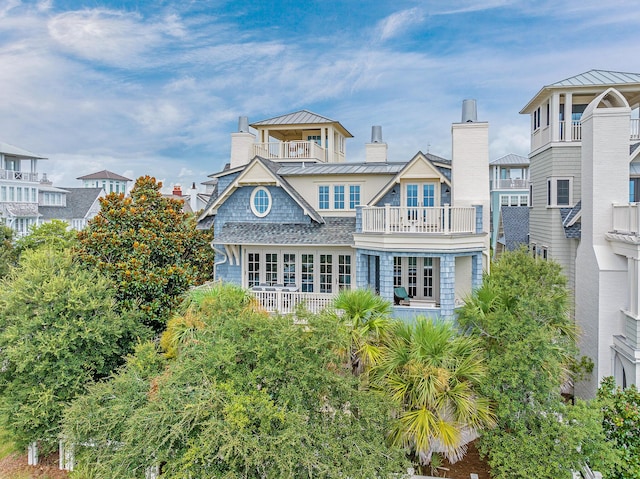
{"type": "Point", "coordinates": [18, 175]}
{"type": "Point", "coordinates": [570, 131]}
{"type": "Point", "coordinates": [626, 219]}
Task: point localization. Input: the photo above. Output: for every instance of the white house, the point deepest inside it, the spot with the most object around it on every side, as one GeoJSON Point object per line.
{"type": "Point", "coordinates": [18, 188]}
{"type": "Point", "coordinates": [584, 169]}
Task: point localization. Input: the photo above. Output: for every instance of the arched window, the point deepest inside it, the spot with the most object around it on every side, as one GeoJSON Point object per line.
{"type": "Point", "coordinates": [260, 201]}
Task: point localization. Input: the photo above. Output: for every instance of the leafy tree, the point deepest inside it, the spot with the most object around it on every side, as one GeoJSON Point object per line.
{"type": "Point", "coordinates": [433, 373]}
{"type": "Point", "coordinates": [367, 316]}
{"type": "Point", "coordinates": [245, 395]}
{"type": "Point", "coordinates": [8, 253]}
{"type": "Point", "coordinates": [53, 234]}
{"type": "Point", "coordinates": [521, 315]}
{"type": "Point", "coordinates": [149, 247]}
{"type": "Point", "coordinates": [58, 332]}
{"type": "Point", "coordinates": [621, 408]}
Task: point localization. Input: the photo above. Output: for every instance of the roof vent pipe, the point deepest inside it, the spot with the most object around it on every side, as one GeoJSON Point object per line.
{"type": "Point", "coordinates": [243, 124]}
{"type": "Point", "coordinates": [376, 134]}
{"type": "Point", "coordinates": [469, 111]}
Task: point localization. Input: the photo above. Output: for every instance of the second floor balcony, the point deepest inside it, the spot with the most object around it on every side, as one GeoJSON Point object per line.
{"type": "Point", "coordinates": [18, 175]}
{"type": "Point", "coordinates": [626, 219]}
{"type": "Point", "coordinates": [441, 220]}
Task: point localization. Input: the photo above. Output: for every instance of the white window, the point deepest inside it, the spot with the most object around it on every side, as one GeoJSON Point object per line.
{"type": "Point", "coordinates": [419, 276]}
{"type": "Point", "coordinates": [420, 194]}
{"type": "Point", "coordinates": [514, 200]}
{"type": "Point", "coordinates": [260, 201]}
{"type": "Point", "coordinates": [334, 196]}
{"type": "Point", "coordinates": [308, 270]}
{"type": "Point", "coordinates": [3, 193]}
{"type": "Point", "coordinates": [560, 191]}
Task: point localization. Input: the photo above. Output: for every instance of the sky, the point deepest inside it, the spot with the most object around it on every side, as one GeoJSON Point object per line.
{"type": "Point", "coordinates": [156, 87]}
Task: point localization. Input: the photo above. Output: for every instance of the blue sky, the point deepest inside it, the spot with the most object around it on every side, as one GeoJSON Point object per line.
{"type": "Point", "coordinates": [156, 87]}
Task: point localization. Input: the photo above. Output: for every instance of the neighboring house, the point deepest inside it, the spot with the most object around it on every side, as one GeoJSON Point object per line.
{"type": "Point", "coordinates": [75, 206]}
{"type": "Point", "coordinates": [107, 180]}
{"type": "Point", "coordinates": [585, 169]}
{"type": "Point", "coordinates": [509, 186]}
{"type": "Point", "coordinates": [18, 188]}
{"type": "Point", "coordinates": [295, 222]}
{"type": "Point", "coordinates": [193, 201]}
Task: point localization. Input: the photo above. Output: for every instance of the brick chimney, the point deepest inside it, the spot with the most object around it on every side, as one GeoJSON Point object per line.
{"type": "Point", "coordinates": [177, 190]}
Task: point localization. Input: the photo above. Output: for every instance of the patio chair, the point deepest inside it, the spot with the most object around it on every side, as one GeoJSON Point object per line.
{"type": "Point", "coordinates": [400, 296]}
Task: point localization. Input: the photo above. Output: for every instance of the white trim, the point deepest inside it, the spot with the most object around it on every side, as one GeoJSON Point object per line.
{"type": "Point", "coordinates": [255, 191]}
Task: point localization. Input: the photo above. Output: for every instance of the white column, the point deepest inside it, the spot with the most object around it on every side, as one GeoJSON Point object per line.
{"type": "Point", "coordinates": [634, 285]}
{"type": "Point", "coordinates": [568, 123]}
{"type": "Point", "coordinates": [555, 117]}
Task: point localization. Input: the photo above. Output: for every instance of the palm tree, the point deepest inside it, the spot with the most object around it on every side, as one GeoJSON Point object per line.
{"type": "Point", "coordinates": [433, 373]}
{"type": "Point", "coordinates": [367, 314]}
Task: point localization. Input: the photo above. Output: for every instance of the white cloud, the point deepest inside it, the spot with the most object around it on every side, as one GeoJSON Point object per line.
{"type": "Point", "coordinates": [400, 22]}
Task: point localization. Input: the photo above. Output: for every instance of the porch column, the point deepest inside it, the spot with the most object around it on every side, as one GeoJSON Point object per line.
{"type": "Point", "coordinates": [447, 285]}
{"type": "Point", "coordinates": [476, 271]}
{"type": "Point", "coordinates": [554, 117]}
{"type": "Point", "coordinates": [386, 276]}
{"type": "Point", "coordinates": [568, 121]}
{"type": "Point", "coordinates": [362, 269]}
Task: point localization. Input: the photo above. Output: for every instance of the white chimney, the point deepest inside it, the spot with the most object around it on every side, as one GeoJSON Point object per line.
{"type": "Point", "coordinates": [193, 197]}
{"type": "Point", "coordinates": [376, 151]}
{"type": "Point", "coordinates": [242, 143]}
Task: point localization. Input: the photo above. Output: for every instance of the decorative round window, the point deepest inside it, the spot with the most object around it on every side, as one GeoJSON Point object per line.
{"type": "Point", "coordinates": [260, 201]}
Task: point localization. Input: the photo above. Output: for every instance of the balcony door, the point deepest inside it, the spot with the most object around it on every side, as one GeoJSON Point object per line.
{"type": "Point", "coordinates": [420, 194]}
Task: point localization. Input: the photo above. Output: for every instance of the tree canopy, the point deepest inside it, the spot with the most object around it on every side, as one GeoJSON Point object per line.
{"type": "Point", "coordinates": [58, 332]}
{"type": "Point", "coordinates": [521, 316]}
{"type": "Point", "coordinates": [149, 247]}
{"type": "Point", "coordinates": [8, 253]}
{"type": "Point", "coordinates": [241, 394]}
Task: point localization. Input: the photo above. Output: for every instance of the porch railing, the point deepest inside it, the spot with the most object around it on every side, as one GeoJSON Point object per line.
{"type": "Point", "coordinates": [290, 149]}
{"type": "Point", "coordinates": [437, 220]}
{"type": "Point", "coordinates": [626, 218]}
{"type": "Point", "coordinates": [18, 175]}
{"type": "Point", "coordinates": [288, 301]}
{"type": "Point", "coordinates": [505, 184]}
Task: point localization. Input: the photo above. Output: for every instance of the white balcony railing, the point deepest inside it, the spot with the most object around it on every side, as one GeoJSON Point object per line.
{"type": "Point", "coordinates": [509, 184]}
{"type": "Point", "coordinates": [18, 175]}
{"type": "Point", "coordinates": [438, 220]}
{"type": "Point", "coordinates": [285, 302]}
{"type": "Point", "coordinates": [635, 128]}
{"type": "Point", "coordinates": [626, 218]}
{"type": "Point", "coordinates": [290, 149]}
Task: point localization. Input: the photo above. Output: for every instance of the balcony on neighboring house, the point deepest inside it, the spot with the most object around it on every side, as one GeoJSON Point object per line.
{"type": "Point", "coordinates": [18, 175]}
{"type": "Point", "coordinates": [626, 219]}
{"type": "Point", "coordinates": [294, 150]}
{"type": "Point", "coordinates": [509, 184]}
{"type": "Point", "coordinates": [571, 131]}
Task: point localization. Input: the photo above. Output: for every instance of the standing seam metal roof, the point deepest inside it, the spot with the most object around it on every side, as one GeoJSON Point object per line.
{"type": "Point", "coordinates": [295, 118]}
{"type": "Point", "coordinates": [511, 159]}
{"type": "Point", "coordinates": [599, 77]}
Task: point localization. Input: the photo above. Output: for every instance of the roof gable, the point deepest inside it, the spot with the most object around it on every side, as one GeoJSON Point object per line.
{"type": "Point", "coordinates": [419, 167]}
{"type": "Point", "coordinates": [598, 77]}
{"type": "Point", "coordinates": [11, 150]}
{"type": "Point", "coordinates": [260, 171]}
{"type": "Point", "coordinates": [103, 175]}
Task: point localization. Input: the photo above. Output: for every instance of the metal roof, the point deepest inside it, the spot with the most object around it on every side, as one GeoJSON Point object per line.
{"type": "Point", "coordinates": [598, 77]}
{"type": "Point", "coordinates": [572, 227]}
{"type": "Point", "coordinates": [104, 175]}
{"type": "Point", "coordinates": [340, 169]}
{"type": "Point", "coordinates": [510, 159]}
{"type": "Point", "coordinates": [591, 81]}
{"type": "Point", "coordinates": [295, 118]}
{"type": "Point", "coordinates": [7, 149]}
{"type": "Point", "coordinates": [302, 117]}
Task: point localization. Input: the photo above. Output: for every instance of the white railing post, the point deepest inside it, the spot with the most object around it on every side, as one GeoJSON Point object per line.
{"type": "Point", "coordinates": [445, 219]}
{"type": "Point", "coordinates": [387, 218]}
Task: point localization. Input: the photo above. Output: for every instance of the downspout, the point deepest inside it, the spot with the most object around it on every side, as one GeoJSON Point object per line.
{"type": "Point", "coordinates": [216, 263]}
